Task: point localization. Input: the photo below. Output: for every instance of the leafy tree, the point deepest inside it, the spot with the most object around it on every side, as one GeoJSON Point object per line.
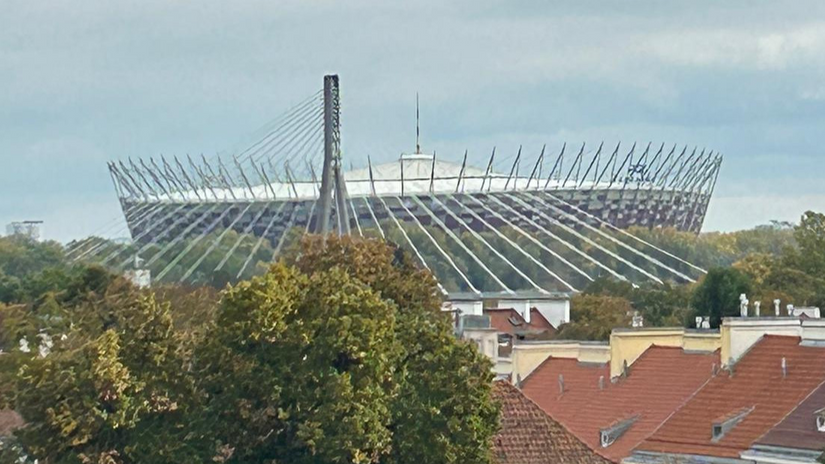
{"type": "Point", "coordinates": [443, 412]}
{"type": "Point", "coordinates": [341, 356]}
{"type": "Point", "coordinates": [810, 237]}
{"type": "Point", "coordinates": [661, 305]}
{"type": "Point", "coordinates": [311, 360]}
{"type": "Point", "coordinates": [112, 389]}
{"type": "Point", "coordinates": [593, 317]}
{"type": "Point", "coordinates": [717, 294]}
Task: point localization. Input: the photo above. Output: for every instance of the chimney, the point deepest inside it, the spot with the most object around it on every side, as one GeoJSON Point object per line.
{"type": "Point", "coordinates": [776, 304]}
{"type": "Point", "coordinates": [518, 380]}
{"type": "Point", "coordinates": [638, 321]}
{"type": "Point", "coordinates": [601, 382]}
{"type": "Point", "coordinates": [757, 305]}
{"type": "Point", "coordinates": [743, 305]}
{"type": "Point", "coordinates": [714, 370]}
{"type": "Point", "coordinates": [561, 384]}
{"type": "Point", "coordinates": [790, 310]}
{"type": "Point", "coordinates": [784, 368]}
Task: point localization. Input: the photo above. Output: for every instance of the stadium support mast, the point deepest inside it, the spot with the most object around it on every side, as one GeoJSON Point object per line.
{"type": "Point", "coordinates": [332, 178]}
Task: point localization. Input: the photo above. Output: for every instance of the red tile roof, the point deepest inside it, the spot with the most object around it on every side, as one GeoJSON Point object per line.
{"type": "Point", "coordinates": [798, 429]}
{"type": "Point", "coordinates": [757, 382]}
{"type": "Point", "coordinates": [659, 382]}
{"type": "Point", "coordinates": [9, 421]}
{"type": "Point", "coordinates": [500, 319]}
{"type": "Point", "coordinates": [529, 436]}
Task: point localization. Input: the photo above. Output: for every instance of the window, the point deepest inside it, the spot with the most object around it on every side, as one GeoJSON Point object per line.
{"type": "Point", "coordinates": [609, 435]}
{"type": "Point", "coordinates": [820, 420]}
{"type": "Point", "coordinates": [726, 423]}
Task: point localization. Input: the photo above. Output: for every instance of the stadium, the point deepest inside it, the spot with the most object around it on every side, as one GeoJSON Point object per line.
{"type": "Point", "coordinates": [549, 222]}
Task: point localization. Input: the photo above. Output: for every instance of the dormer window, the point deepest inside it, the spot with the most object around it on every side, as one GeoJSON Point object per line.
{"type": "Point", "coordinates": [820, 420]}
{"type": "Point", "coordinates": [609, 435]}
{"type": "Point", "coordinates": [721, 426]}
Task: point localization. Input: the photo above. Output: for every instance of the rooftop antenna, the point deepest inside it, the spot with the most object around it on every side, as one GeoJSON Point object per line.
{"type": "Point", "coordinates": [417, 127]}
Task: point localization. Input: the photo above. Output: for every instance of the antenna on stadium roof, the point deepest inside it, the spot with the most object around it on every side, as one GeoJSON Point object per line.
{"type": "Point", "coordinates": [417, 127]}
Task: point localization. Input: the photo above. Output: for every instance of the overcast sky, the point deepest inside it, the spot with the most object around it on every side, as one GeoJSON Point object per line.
{"type": "Point", "coordinates": [83, 82]}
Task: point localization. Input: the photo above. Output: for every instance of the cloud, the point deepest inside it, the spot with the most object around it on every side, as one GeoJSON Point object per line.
{"type": "Point", "coordinates": [98, 80]}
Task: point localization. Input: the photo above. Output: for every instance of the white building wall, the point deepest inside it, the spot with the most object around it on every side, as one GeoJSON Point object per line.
{"type": "Point", "coordinates": [464, 308]}
{"type": "Point", "coordinates": [557, 312]}
{"type": "Point", "coordinates": [743, 333]}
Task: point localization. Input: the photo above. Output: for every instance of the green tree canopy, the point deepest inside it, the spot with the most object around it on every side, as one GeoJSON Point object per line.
{"type": "Point", "coordinates": [340, 355]}
{"type": "Point", "coordinates": [717, 294]}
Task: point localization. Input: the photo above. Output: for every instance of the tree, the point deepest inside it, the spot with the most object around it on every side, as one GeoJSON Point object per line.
{"type": "Point", "coordinates": [311, 361]}
{"type": "Point", "coordinates": [593, 317]}
{"type": "Point", "coordinates": [341, 355]}
{"type": "Point", "coordinates": [111, 390]}
{"type": "Point", "coordinates": [444, 411]}
{"type": "Point", "coordinates": [717, 294]}
{"type": "Point", "coordinates": [661, 305]}
{"type": "Point", "coordinates": [809, 256]}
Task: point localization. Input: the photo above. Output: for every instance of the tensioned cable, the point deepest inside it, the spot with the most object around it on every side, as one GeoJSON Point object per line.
{"type": "Point", "coordinates": [555, 237]}
{"type": "Point", "coordinates": [461, 243]}
{"type": "Point", "coordinates": [115, 223]}
{"type": "Point", "coordinates": [412, 245]}
{"type": "Point", "coordinates": [98, 246]}
{"type": "Point", "coordinates": [162, 234]}
{"type": "Point", "coordinates": [290, 223]}
{"type": "Point", "coordinates": [242, 236]}
{"type": "Point", "coordinates": [374, 219]}
{"type": "Point", "coordinates": [311, 215]}
{"type": "Point", "coordinates": [214, 244]}
{"type": "Point", "coordinates": [146, 231]}
{"type": "Point", "coordinates": [439, 248]}
{"type": "Point", "coordinates": [192, 243]}
{"type": "Point", "coordinates": [487, 244]}
{"type": "Point", "coordinates": [513, 244]}
{"type": "Point", "coordinates": [287, 116]}
{"type": "Point", "coordinates": [589, 241]}
{"type": "Point", "coordinates": [257, 245]}
{"type": "Point", "coordinates": [355, 215]}
{"type": "Point", "coordinates": [136, 211]}
{"type": "Point", "coordinates": [181, 236]}
{"type": "Point", "coordinates": [300, 143]}
{"type": "Point", "coordinates": [612, 239]}
{"type": "Point", "coordinates": [530, 237]}
{"type": "Point", "coordinates": [288, 151]}
{"type": "Point", "coordinates": [296, 125]}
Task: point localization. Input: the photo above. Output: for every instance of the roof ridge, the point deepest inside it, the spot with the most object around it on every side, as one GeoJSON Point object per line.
{"type": "Point", "coordinates": [792, 410]}
{"type": "Point", "coordinates": [673, 413]}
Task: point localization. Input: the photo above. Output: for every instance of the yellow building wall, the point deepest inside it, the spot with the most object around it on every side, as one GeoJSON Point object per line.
{"type": "Point", "coordinates": [628, 345]}
{"type": "Point", "coordinates": [702, 342]}
{"type": "Point", "coordinates": [724, 354]}
{"type": "Point", "coordinates": [525, 358]}
{"type": "Point", "coordinates": [594, 354]}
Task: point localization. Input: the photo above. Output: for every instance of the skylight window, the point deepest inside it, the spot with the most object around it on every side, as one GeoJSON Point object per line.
{"type": "Point", "coordinates": [609, 435]}
{"type": "Point", "coordinates": [820, 420]}
{"type": "Point", "coordinates": [726, 423]}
